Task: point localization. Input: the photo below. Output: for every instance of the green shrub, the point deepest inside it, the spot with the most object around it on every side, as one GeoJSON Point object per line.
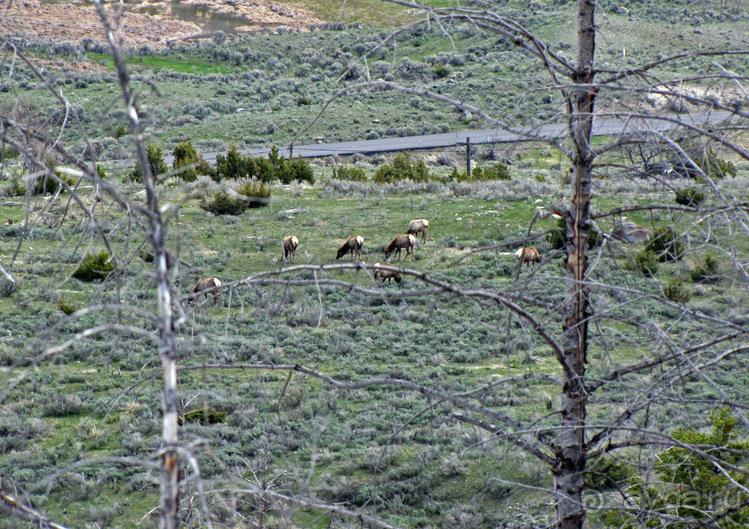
{"type": "Point", "coordinates": [665, 244]}
{"type": "Point", "coordinates": [498, 171]}
{"type": "Point", "coordinates": [354, 174]}
{"type": "Point", "coordinates": [234, 165]}
{"type": "Point", "coordinates": [155, 162]}
{"type": "Point", "coordinates": [184, 156]}
{"type": "Point", "coordinates": [675, 291]}
{"type": "Point", "coordinates": [646, 263]}
{"type": "Point", "coordinates": [441, 70]}
{"type": "Point", "coordinates": [223, 204]}
{"type": "Point", "coordinates": [203, 416]}
{"type": "Point", "coordinates": [94, 267]}
{"type": "Point", "coordinates": [295, 170]}
{"type": "Point", "coordinates": [607, 473]}
{"type": "Point", "coordinates": [65, 306]}
{"type": "Point", "coordinates": [255, 189]}
{"type": "Point", "coordinates": [689, 197]}
{"type": "Point", "coordinates": [558, 239]}
{"type": "Point", "coordinates": [402, 168]}
{"type": "Point", "coordinates": [707, 161]}
{"type": "Point", "coordinates": [7, 154]}
{"type": "Point", "coordinates": [7, 287]}
{"type": "Point", "coordinates": [121, 130]}
{"type": "Point", "coordinates": [707, 272]}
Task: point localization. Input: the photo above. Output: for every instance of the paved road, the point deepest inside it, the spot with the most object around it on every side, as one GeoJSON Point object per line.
{"type": "Point", "coordinates": [601, 127]}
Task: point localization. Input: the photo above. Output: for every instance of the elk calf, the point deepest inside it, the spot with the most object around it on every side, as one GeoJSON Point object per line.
{"type": "Point", "coordinates": [290, 242]}
{"type": "Point", "coordinates": [405, 240]}
{"type": "Point", "coordinates": [383, 275]}
{"type": "Point", "coordinates": [205, 283]}
{"type": "Point", "coordinates": [528, 255]}
{"type": "Point", "coordinates": [419, 226]}
{"type": "Point", "coordinates": [353, 245]}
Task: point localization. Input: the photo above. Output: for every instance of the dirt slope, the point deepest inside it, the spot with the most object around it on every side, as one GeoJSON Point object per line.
{"type": "Point", "coordinates": [73, 21]}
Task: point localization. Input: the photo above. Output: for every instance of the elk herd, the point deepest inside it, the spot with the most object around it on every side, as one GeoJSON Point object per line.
{"type": "Point", "coordinates": [353, 245]}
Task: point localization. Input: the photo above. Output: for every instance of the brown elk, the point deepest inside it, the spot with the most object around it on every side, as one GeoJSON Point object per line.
{"type": "Point", "coordinates": [528, 255]}
{"type": "Point", "coordinates": [405, 240]}
{"type": "Point", "coordinates": [203, 284]}
{"type": "Point", "coordinates": [290, 242]}
{"type": "Point", "coordinates": [383, 275]}
{"type": "Point", "coordinates": [419, 226]}
{"type": "Point", "coordinates": [353, 244]}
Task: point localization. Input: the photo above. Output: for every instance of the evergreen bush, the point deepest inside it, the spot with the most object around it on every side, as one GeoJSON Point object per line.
{"type": "Point", "coordinates": [155, 162]}
{"type": "Point", "coordinates": [223, 204]}
{"type": "Point", "coordinates": [645, 262]}
{"type": "Point", "coordinates": [707, 272]}
{"type": "Point", "coordinates": [94, 267]}
{"type": "Point", "coordinates": [675, 291]}
{"type": "Point", "coordinates": [665, 244]}
{"type": "Point", "coordinates": [402, 168]}
{"type": "Point", "coordinates": [354, 174]}
{"type": "Point", "coordinates": [689, 197]}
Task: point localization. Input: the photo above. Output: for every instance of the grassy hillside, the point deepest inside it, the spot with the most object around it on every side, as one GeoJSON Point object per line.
{"type": "Point", "coordinates": [88, 411]}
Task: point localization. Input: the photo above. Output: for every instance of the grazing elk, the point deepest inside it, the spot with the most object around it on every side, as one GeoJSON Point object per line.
{"type": "Point", "coordinates": [528, 255]}
{"type": "Point", "coordinates": [383, 275]}
{"type": "Point", "coordinates": [418, 226]}
{"type": "Point", "coordinates": [405, 240]}
{"type": "Point", "coordinates": [205, 283]}
{"type": "Point", "coordinates": [290, 242]}
{"type": "Point", "coordinates": [353, 244]}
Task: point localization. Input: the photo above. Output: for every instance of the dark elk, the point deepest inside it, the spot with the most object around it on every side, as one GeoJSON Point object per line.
{"type": "Point", "coordinates": [353, 245]}
{"type": "Point", "coordinates": [203, 284]}
{"type": "Point", "coordinates": [419, 226]}
{"type": "Point", "coordinates": [405, 240]}
{"type": "Point", "coordinates": [289, 245]}
{"type": "Point", "coordinates": [528, 255]}
{"type": "Point", "coordinates": [387, 275]}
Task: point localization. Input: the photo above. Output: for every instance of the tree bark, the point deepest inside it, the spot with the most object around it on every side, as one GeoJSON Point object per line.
{"type": "Point", "coordinates": [571, 457]}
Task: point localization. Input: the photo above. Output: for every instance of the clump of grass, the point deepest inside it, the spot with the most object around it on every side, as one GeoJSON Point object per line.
{"type": "Point", "coordinates": [94, 267]}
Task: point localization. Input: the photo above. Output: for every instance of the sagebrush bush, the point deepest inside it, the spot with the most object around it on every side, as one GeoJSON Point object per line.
{"type": "Point", "coordinates": [94, 267]}
{"type": "Point", "coordinates": [707, 272]}
{"type": "Point", "coordinates": [665, 244]}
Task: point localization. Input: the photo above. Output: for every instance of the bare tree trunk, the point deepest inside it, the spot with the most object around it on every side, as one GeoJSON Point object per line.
{"type": "Point", "coordinates": [165, 321]}
{"type": "Point", "coordinates": [571, 456]}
